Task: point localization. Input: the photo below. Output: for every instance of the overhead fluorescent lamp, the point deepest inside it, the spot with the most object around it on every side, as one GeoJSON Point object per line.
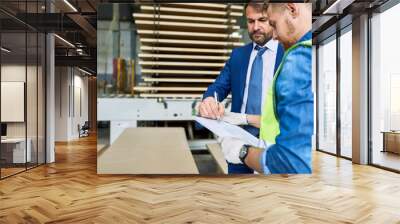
{"type": "Point", "coordinates": [65, 41]}
{"type": "Point", "coordinates": [70, 5]}
{"type": "Point", "coordinates": [5, 50]}
{"type": "Point", "coordinates": [84, 71]}
{"type": "Point", "coordinates": [337, 7]}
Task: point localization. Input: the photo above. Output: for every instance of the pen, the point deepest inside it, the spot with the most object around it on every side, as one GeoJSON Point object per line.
{"type": "Point", "coordinates": [216, 99]}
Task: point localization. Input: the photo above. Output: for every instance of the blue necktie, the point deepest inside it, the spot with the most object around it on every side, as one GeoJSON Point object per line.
{"type": "Point", "coordinates": [254, 95]}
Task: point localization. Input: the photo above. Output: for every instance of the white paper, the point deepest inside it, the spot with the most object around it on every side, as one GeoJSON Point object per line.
{"type": "Point", "coordinates": [223, 129]}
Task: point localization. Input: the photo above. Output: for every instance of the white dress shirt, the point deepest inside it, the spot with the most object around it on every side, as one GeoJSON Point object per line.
{"type": "Point", "coordinates": [269, 58]}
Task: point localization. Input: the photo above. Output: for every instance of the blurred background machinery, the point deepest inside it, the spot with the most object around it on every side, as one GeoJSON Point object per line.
{"type": "Point", "coordinates": [156, 60]}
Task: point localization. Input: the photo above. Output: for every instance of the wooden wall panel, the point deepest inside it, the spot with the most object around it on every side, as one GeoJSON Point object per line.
{"type": "Point", "coordinates": [162, 25]}
{"type": "Point", "coordinates": [183, 57]}
{"type": "Point", "coordinates": [178, 80]}
{"type": "Point", "coordinates": [190, 11]}
{"type": "Point", "coordinates": [181, 50]}
{"type": "Point", "coordinates": [185, 18]}
{"type": "Point", "coordinates": [184, 46]}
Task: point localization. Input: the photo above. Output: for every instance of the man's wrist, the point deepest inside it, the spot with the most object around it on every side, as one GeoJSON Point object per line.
{"type": "Point", "coordinates": [252, 160]}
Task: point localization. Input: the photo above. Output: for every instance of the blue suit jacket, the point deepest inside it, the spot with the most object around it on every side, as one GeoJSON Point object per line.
{"type": "Point", "coordinates": [232, 78]}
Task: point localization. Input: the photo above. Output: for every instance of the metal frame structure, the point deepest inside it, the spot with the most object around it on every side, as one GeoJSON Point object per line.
{"type": "Point", "coordinates": [28, 27]}
{"type": "Point", "coordinates": [127, 112]}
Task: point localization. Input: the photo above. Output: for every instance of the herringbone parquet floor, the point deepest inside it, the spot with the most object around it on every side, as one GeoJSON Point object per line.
{"type": "Point", "coordinates": [70, 191]}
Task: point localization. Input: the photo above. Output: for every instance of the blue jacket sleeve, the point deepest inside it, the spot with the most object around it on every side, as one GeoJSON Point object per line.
{"type": "Point", "coordinates": [292, 151]}
{"type": "Point", "coordinates": [222, 84]}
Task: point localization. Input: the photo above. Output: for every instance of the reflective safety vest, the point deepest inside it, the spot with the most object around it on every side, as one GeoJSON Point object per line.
{"type": "Point", "coordinates": [269, 117]}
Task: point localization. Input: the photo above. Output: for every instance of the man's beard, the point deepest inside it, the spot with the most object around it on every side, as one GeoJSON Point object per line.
{"type": "Point", "coordinates": [261, 41]}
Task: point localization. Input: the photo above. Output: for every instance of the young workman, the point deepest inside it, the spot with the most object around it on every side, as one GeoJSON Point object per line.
{"type": "Point", "coordinates": [287, 117]}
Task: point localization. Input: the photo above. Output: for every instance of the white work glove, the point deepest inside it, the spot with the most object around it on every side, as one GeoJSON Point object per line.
{"type": "Point", "coordinates": [231, 148]}
{"type": "Point", "coordinates": [235, 118]}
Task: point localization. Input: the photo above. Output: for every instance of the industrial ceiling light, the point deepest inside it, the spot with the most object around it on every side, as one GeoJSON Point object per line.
{"type": "Point", "coordinates": [337, 7]}
{"type": "Point", "coordinates": [5, 49]}
{"type": "Point", "coordinates": [80, 51]}
{"type": "Point", "coordinates": [65, 41]}
{"type": "Point", "coordinates": [84, 71]}
{"type": "Point", "coordinates": [70, 5]}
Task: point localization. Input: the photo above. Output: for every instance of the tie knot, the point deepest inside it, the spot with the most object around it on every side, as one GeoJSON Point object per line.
{"type": "Point", "coordinates": [260, 50]}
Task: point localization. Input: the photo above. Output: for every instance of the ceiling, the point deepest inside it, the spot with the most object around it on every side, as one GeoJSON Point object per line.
{"type": "Point", "coordinates": [331, 15]}
{"type": "Point", "coordinates": [76, 22]}
{"type": "Point", "coordinates": [76, 25]}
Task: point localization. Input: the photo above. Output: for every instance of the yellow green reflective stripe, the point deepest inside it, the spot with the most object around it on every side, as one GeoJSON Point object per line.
{"type": "Point", "coordinates": [269, 118]}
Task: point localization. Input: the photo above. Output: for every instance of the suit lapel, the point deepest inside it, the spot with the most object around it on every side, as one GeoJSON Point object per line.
{"type": "Point", "coordinates": [243, 71]}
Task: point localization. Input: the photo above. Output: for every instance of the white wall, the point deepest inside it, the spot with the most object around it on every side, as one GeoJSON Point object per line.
{"type": "Point", "coordinates": [16, 73]}
{"type": "Point", "coordinates": [62, 81]}
{"type": "Point", "coordinates": [71, 103]}
{"type": "Point", "coordinates": [13, 73]}
{"type": "Point", "coordinates": [13, 101]}
{"type": "Point", "coordinates": [33, 127]}
{"type": "Point", "coordinates": [80, 110]}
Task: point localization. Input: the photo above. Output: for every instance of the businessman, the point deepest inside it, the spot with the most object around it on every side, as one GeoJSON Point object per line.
{"type": "Point", "coordinates": [246, 75]}
{"type": "Point", "coordinates": [287, 117]}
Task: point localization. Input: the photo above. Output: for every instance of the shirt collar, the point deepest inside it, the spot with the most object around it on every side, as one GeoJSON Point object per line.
{"type": "Point", "coordinates": [271, 45]}
{"type": "Point", "coordinates": [307, 36]}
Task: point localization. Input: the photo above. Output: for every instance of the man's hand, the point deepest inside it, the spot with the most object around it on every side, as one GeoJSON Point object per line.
{"type": "Point", "coordinates": [209, 108]}
{"type": "Point", "coordinates": [231, 148]}
{"type": "Point", "coordinates": [235, 118]}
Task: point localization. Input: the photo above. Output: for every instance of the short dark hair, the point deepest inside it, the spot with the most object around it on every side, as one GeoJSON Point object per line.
{"type": "Point", "coordinates": [258, 5]}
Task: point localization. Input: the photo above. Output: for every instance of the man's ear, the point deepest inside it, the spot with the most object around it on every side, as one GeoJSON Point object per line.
{"type": "Point", "coordinates": [292, 9]}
